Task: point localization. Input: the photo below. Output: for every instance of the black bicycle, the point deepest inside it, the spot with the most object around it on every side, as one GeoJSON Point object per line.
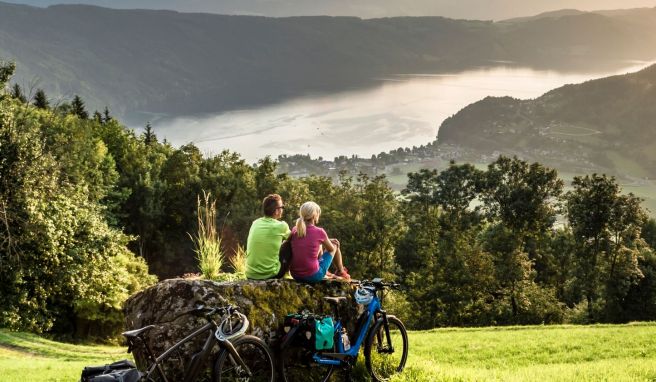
{"type": "Point", "coordinates": [241, 357]}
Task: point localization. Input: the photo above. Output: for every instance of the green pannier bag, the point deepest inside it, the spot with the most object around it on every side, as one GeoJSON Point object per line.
{"type": "Point", "coordinates": [324, 333]}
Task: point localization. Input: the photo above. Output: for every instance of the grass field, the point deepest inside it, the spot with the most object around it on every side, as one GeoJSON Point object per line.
{"type": "Point", "coordinates": [29, 358]}
{"type": "Point", "coordinates": [531, 353]}
{"type": "Point", "coordinates": [536, 353]}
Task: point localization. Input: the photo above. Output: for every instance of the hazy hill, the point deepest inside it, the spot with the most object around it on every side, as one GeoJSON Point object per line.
{"type": "Point", "coordinates": [465, 9]}
{"type": "Point", "coordinates": [543, 15]}
{"type": "Point", "coordinates": [144, 61]}
{"type": "Point", "coordinates": [608, 123]}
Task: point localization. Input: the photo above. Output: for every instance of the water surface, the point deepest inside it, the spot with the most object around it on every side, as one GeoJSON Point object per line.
{"type": "Point", "coordinates": [402, 111]}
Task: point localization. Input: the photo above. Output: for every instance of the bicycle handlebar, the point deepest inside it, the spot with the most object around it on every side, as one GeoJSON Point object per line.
{"type": "Point", "coordinates": [208, 312]}
{"type": "Point", "coordinates": [378, 284]}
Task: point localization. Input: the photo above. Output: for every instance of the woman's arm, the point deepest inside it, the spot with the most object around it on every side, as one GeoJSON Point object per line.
{"type": "Point", "coordinates": [329, 245]}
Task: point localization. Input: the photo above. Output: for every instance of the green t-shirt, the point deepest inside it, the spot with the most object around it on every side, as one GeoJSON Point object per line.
{"type": "Point", "coordinates": [264, 239]}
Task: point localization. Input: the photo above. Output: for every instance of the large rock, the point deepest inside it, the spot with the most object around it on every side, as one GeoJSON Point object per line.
{"type": "Point", "coordinates": [265, 303]}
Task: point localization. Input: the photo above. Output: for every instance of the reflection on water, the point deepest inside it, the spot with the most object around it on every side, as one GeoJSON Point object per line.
{"type": "Point", "coordinates": [402, 111]}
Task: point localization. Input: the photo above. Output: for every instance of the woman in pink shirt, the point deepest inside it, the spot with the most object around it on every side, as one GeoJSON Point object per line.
{"type": "Point", "coordinates": [312, 250]}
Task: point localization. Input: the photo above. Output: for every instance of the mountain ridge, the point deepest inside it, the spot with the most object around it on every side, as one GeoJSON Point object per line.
{"type": "Point", "coordinates": [142, 63]}
{"type": "Point", "coordinates": [606, 122]}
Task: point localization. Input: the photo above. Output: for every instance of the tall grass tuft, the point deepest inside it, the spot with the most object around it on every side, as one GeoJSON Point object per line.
{"type": "Point", "coordinates": [207, 241]}
{"type": "Point", "coordinates": [238, 262]}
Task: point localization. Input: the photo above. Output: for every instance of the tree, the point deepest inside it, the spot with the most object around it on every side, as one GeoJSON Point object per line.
{"type": "Point", "coordinates": [6, 71]}
{"type": "Point", "coordinates": [450, 273]}
{"type": "Point", "coordinates": [519, 200]}
{"type": "Point", "coordinates": [40, 100]}
{"type": "Point", "coordinates": [266, 181]}
{"type": "Point", "coordinates": [62, 264]}
{"type": "Point", "coordinates": [149, 136]}
{"type": "Point", "coordinates": [521, 196]}
{"type": "Point", "coordinates": [77, 108]}
{"type": "Point", "coordinates": [17, 93]}
{"type": "Point", "coordinates": [106, 117]}
{"type": "Point", "coordinates": [648, 232]}
{"type": "Point", "coordinates": [606, 225]}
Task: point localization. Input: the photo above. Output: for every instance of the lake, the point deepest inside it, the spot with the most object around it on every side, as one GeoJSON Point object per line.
{"type": "Point", "coordinates": [401, 111]}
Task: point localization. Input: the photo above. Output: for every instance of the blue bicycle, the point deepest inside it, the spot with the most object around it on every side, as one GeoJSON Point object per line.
{"type": "Point", "coordinates": [384, 337]}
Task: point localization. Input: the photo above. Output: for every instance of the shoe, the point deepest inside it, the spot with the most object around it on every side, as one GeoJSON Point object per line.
{"type": "Point", "coordinates": [329, 276]}
{"type": "Point", "coordinates": [343, 274]}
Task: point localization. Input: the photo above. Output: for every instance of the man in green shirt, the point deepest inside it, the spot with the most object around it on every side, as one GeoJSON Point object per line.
{"type": "Point", "coordinates": [264, 239]}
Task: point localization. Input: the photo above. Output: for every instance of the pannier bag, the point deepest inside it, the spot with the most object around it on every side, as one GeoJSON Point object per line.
{"type": "Point", "coordinates": [122, 371]}
{"type": "Point", "coordinates": [324, 333]}
{"type": "Point", "coordinates": [315, 332]}
{"type": "Point", "coordinates": [126, 375]}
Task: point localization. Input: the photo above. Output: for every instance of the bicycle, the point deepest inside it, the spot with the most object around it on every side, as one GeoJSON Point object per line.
{"type": "Point", "coordinates": [384, 336]}
{"type": "Point", "coordinates": [241, 357]}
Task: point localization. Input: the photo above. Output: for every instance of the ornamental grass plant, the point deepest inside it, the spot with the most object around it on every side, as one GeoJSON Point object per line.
{"type": "Point", "coordinates": [207, 241]}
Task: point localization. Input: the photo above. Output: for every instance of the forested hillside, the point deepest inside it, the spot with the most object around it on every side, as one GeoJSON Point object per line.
{"type": "Point", "coordinates": [86, 204]}
{"type": "Point", "coordinates": [140, 62]}
{"type": "Point", "coordinates": [609, 123]}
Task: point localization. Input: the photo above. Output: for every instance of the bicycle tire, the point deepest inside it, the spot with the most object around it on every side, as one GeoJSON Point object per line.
{"type": "Point", "coordinates": [296, 364]}
{"type": "Point", "coordinates": [382, 365]}
{"type": "Point", "coordinates": [256, 356]}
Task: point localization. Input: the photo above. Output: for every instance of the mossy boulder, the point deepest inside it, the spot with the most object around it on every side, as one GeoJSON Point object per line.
{"type": "Point", "coordinates": [265, 303]}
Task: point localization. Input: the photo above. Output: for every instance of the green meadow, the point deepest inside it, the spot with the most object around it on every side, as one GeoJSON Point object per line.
{"type": "Point", "coordinates": [528, 353]}
{"type": "Point", "coordinates": [29, 358]}
{"type": "Point", "coordinates": [535, 353]}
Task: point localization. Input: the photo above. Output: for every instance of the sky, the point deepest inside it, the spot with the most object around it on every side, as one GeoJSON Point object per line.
{"type": "Point", "coordinates": [465, 9]}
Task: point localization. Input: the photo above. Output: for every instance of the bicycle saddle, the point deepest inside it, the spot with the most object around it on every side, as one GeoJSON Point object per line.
{"type": "Point", "coordinates": [334, 300]}
{"type": "Point", "coordinates": [137, 332]}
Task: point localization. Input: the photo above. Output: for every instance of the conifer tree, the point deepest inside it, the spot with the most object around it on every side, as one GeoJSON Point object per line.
{"type": "Point", "coordinates": [106, 116]}
{"type": "Point", "coordinates": [40, 100]}
{"type": "Point", "coordinates": [77, 108]}
{"type": "Point", "coordinates": [98, 117]}
{"type": "Point", "coordinates": [17, 93]}
{"type": "Point", "coordinates": [149, 135]}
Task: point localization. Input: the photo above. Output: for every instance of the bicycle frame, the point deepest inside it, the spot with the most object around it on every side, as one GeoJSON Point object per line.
{"type": "Point", "coordinates": [373, 312]}
{"type": "Point", "coordinates": [198, 360]}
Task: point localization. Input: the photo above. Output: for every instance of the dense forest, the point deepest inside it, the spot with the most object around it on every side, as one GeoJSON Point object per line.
{"type": "Point", "coordinates": [90, 210]}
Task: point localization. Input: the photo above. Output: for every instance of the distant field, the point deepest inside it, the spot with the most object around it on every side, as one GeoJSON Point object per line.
{"type": "Point", "coordinates": [530, 353]}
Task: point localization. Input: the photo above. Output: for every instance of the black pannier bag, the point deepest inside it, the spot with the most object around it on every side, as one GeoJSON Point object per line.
{"type": "Point", "coordinates": [313, 332]}
{"type": "Point", "coordinates": [305, 333]}
{"type": "Point", "coordinates": [126, 375]}
{"type": "Point", "coordinates": [119, 371]}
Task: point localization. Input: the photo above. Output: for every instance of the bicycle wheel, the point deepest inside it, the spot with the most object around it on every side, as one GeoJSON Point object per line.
{"type": "Point", "coordinates": [296, 365]}
{"type": "Point", "coordinates": [383, 362]}
{"type": "Point", "coordinates": [255, 354]}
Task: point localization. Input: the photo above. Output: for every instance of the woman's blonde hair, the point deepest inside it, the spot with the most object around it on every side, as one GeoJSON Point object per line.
{"type": "Point", "coordinates": [309, 212]}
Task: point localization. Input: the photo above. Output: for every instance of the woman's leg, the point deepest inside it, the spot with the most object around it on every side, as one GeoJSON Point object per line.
{"type": "Point", "coordinates": [341, 269]}
{"type": "Point", "coordinates": [338, 260]}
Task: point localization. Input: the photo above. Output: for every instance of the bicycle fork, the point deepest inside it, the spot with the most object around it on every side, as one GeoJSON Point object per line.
{"type": "Point", "coordinates": [390, 347]}
{"type": "Point", "coordinates": [235, 356]}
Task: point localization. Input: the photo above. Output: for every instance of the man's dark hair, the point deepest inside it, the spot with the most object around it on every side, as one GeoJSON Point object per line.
{"type": "Point", "coordinates": [270, 203]}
